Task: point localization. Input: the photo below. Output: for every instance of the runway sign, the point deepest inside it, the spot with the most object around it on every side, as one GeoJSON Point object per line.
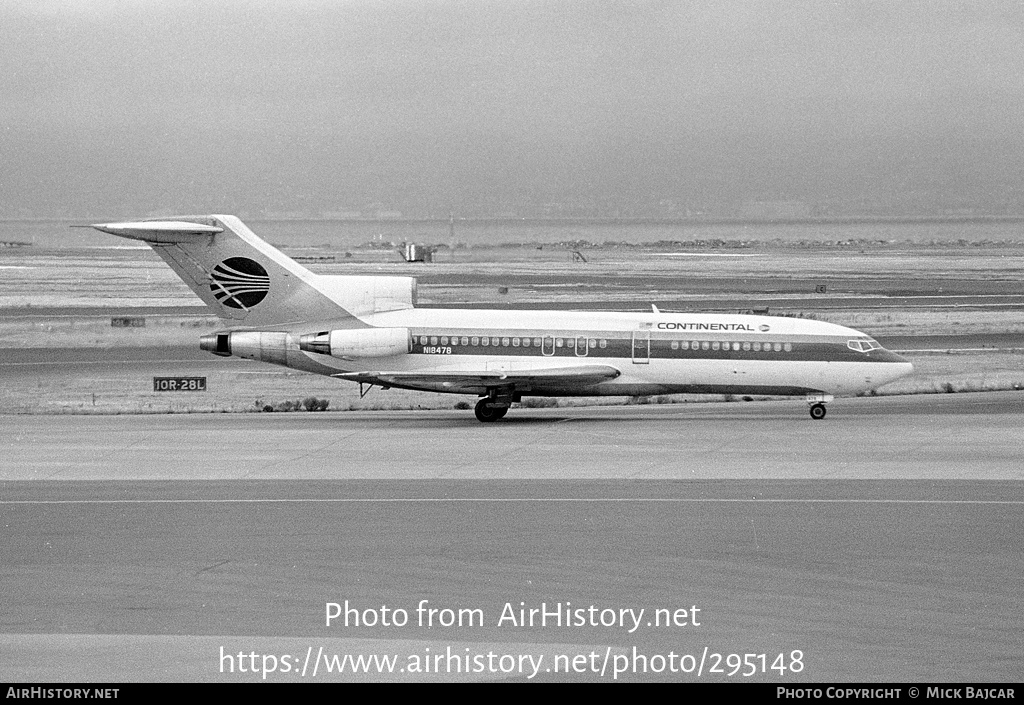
{"type": "Point", "coordinates": [179, 384]}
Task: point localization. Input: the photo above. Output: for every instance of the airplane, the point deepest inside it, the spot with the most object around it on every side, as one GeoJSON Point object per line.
{"type": "Point", "coordinates": [367, 329]}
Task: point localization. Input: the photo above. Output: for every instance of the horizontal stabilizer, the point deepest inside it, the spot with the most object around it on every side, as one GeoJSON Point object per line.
{"type": "Point", "coordinates": [157, 231]}
{"type": "Point", "coordinates": [479, 381]}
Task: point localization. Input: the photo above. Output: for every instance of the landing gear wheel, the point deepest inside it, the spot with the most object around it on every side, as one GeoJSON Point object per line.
{"type": "Point", "coordinates": [487, 413]}
{"type": "Point", "coordinates": [817, 411]}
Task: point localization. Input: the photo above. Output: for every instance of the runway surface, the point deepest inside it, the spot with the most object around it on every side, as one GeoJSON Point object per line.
{"type": "Point", "coordinates": [884, 543]}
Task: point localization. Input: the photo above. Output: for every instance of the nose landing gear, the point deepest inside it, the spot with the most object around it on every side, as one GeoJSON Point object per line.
{"type": "Point", "coordinates": [817, 411]}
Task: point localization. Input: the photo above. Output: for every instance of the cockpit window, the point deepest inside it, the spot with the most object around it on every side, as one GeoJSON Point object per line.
{"type": "Point", "coordinates": [863, 345]}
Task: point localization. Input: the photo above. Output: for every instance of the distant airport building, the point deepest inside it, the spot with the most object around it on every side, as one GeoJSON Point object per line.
{"type": "Point", "coordinates": [417, 253]}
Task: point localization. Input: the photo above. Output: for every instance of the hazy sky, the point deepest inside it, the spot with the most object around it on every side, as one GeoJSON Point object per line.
{"type": "Point", "coordinates": [125, 107]}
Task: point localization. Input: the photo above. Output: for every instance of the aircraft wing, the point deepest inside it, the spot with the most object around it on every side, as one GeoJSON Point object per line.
{"type": "Point", "coordinates": [479, 381]}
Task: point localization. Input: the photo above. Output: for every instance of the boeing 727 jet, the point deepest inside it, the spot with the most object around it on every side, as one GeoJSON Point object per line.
{"type": "Point", "coordinates": [367, 329]}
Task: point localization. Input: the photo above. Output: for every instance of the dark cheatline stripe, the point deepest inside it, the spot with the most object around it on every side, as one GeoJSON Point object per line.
{"type": "Point", "coordinates": [622, 348]}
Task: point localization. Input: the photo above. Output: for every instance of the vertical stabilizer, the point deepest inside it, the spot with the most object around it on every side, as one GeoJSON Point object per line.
{"type": "Point", "coordinates": [235, 273]}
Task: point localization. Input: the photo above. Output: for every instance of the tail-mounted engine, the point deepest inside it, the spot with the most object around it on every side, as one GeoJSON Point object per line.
{"type": "Point", "coordinates": [363, 342]}
{"type": "Point", "coordinates": [345, 344]}
{"type": "Point", "coordinates": [252, 345]}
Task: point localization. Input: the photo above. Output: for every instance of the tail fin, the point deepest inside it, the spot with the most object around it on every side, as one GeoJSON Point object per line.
{"type": "Point", "coordinates": [245, 280]}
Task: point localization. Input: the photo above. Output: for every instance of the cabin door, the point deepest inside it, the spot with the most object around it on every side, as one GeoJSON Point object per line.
{"type": "Point", "coordinates": [581, 346]}
{"type": "Point", "coordinates": [641, 347]}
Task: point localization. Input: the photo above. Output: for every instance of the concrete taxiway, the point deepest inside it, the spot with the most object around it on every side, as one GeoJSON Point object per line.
{"type": "Point", "coordinates": [950, 436]}
{"type": "Point", "coordinates": [884, 543]}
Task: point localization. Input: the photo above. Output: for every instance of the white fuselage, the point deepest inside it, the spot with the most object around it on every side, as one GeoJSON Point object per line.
{"type": "Point", "coordinates": [656, 353]}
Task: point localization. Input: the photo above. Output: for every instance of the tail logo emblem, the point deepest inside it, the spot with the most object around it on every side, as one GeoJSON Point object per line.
{"type": "Point", "coordinates": [239, 282]}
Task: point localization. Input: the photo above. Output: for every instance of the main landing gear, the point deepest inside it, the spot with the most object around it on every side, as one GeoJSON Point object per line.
{"type": "Point", "coordinates": [489, 410]}
{"type": "Point", "coordinates": [817, 403]}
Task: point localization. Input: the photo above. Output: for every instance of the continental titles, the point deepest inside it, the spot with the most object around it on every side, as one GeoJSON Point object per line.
{"type": "Point", "coordinates": [707, 326]}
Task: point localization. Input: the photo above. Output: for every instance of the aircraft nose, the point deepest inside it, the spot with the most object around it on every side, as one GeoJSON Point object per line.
{"type": "Point", "coordinates": [898, 366]}
{"type": "Point", "coordinates": [889, 356]}
{"type": "Point", "coordinates": [895, 366]}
